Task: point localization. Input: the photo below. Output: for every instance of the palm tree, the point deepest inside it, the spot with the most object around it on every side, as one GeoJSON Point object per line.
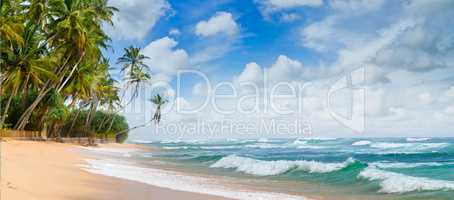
{"type": "Point", "coordinates": [52, 63]}
{"type": "Point", "coordinates": [135, 68]}
{"type": "Point", "coordinates": [25, 66]}
{"type": "Point", "coordinates": [11, 24]}
{"type": "Point", "coordinates": [158, 101]}
{"type": "Point", "coordinates": [75, 35]}
{"type": "Point", "coordinates": [136, 75]}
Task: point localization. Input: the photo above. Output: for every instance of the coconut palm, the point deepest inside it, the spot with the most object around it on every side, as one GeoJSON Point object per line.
{"type": "Point", "coordinates": [52, 66]}
{"type": "Point", "coordinates": [75, 35]}
{"type": "Point", "coordinates": [11, 24]}
{"type": "Point", "coordinates": [158, 101]}
{"type": "Point", "coordinates": [25, 66]}
{"type": "Point", "coordinates": [135, 69]}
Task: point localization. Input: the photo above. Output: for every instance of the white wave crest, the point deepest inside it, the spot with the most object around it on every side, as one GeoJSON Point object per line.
{"type": "Point", "coordinates": [319, 138]}
{"type": "Point", "coordinates": [175, 148]}
{"type": "Point", "coordinates": [308, 146]}
{"type": "Point", "coordinates": [125, 152]}
{"type": "Point", "coordinates": [178, 141]}
{"type": "Point", "coordinates": [264, 146]}
{"type": "Point", "coordinates": [269, 168]}
{"type": "Point", "coordinates": [142, 141]}
{"type": "Point", "coordinates": [362, 143]}
{"type": "Point", "coordinates": [409, 146]}
{"type": "Point", "coordinates": [391, 182]}
{"type": "Point", "coordinates": [222, 147]}
{"type": "Point", "coordinates": [417, 139]}
{"type": "Point", "coordinates": [171, 141]}
{"type": "Point", "coordinates": [263, 140]}
{"type": "Point", "coordinates": [180, 181]}
{"type": "Point", "coordinates": [401, 165]}
{"type": "Point", "coordinates": [299, 141]}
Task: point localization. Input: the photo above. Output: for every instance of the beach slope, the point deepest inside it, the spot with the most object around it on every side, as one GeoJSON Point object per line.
{"type": "Point", "coordinates": [50, 171]}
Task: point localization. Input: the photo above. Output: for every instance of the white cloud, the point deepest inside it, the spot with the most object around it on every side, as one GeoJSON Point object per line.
{"type": "Point", "coordinates": [285, 69]}
{"type": "Point", "coordinates": [251, 73]}
{"type": "Point", "coordinates": [269, 6]}
{"type": "Point", "coordinates": [174, 32]}
{"type": "Point", "coordinates": [165, 59]}
{"type": "Point", "coordinates": [289, 17]}
{"type": "Point", "coordinates": [409, 43]}
{"type": "Point", "coordinates": [320, 35]}
{"type": "Point", "coordinates": [354, 56]}
{"type": "Point", "coordinates": [212, 50]}
{"type": "Point", "coordinates": [136, 17]}
{"type": "Point", "coordinates": [222, 22]}
{"type": "Point", "coordinates": [425, 98]}
{"type": "Point", "coordinates": [199, 89]}
{"type": "Point", "coordinates": [358, 6]}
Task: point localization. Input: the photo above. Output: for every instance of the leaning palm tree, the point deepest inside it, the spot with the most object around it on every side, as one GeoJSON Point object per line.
{"type": "Point", "coordinates": [158, 101]}
{"type": "Point", "coordinates": [75, 36]}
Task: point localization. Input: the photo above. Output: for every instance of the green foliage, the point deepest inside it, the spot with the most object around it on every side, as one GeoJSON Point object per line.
{"type": "Point", "coordinates": [78, 117]}
{"type": "Point", "coordinates": [52, 66]}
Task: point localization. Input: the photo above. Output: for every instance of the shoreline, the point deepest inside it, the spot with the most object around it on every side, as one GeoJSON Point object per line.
{"type": "Point", "coordinates": [49, 170]}
{"type": "Point", "coordinates": [165, 176]}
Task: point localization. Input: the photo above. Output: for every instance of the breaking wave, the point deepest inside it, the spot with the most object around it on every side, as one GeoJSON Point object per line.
{"type": "Point", "coordinates": [362, 143]}
{"type": "Point", "coordinates": [270, 168]}
{"type": "Point", "coordinates": [391, 182]}
{"type": "Point", "coordinates": [408, 146]}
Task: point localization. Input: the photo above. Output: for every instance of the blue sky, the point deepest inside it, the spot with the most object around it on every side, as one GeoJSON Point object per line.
{"type": "Point", "coordinates": [406, 48]}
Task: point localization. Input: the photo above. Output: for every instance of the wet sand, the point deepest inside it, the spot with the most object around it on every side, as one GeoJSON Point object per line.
{"type": "Point", "coordinates": [51, 171]}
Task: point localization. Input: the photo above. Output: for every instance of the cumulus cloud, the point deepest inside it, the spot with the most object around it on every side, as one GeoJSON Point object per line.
{"type": "Point", "coordinates": [321, 35]}
{"type": "Point", "coordinates": [222, 22]}
{"type": "Point", "coordinates": [136, 17]}
{"type": "Point", "coordinates": [174, 32]}
{"type": "Point", "coordinates": [410, 43]}
{"type": "Point", "coordinates": [165, 58]}
{"type": "Point", "coordinates": [270, 6]}
{"type": "Point", "coordinates": [358, 6]}
{"type": "Point", "coordinates": [425, 98]}
{"type": "Point", "coordinates": [251, 73]}
{"type": "Point", "coordinates": [285, 69]}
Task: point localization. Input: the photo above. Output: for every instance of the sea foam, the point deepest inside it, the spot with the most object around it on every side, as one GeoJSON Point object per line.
{"type": "Point", "coordinates": [125, 152]}
{"type": "Point", "coordinates": [362, 143]}
{"type": "Point", "coordinates": [269, 168]}
{"type": "Point", "coordinates": [391, 182]}
{"type": "Point", "coordinates": [179, 181]}
{"type": "Point", "coordinates": [409, 146]}
{"type": "Point", "coordinates": [402, 165]}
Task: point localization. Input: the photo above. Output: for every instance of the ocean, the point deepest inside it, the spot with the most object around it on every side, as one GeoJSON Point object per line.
{"type": "Point", "coordinates": [304, 168]}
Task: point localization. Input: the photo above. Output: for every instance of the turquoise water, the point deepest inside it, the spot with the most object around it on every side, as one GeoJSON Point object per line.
{"type": "Point", "coordinates": [390, 168]}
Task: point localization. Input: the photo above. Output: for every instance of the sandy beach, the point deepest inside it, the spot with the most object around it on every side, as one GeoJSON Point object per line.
{"type": "Point", "coordinates": [51, 171]}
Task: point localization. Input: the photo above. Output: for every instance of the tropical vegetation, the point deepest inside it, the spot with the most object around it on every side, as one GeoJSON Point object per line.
{"type": "Point", "coordinates": [54, 75]}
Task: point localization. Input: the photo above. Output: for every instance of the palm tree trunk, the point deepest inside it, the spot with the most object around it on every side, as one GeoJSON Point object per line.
{"type": "Point", "coordinates": [135, 127]}
{"type": "Point", "coordinates": [111, 122]}
{"type": "Point", "coordinates": [23, 120]}
{"type": "Point", "coordinates": [103, 121]}
{"type": "Point", "coordinates": [71, 73]}
{"type": "Point", "coordinates": [73, 122]}
{"type": "Point", "coordinates": [41, 123]}
{"type": "Point", "coordinates": [5, 112]}
{"type": "Point", "coordinates": [25, 90]}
